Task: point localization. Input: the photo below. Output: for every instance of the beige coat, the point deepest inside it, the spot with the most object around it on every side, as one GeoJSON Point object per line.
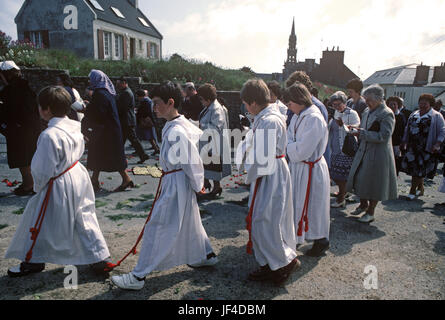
{"type": "Point", "coordinates": [373, 172]}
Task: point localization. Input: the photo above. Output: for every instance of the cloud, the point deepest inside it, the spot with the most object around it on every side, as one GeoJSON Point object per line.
{"type": "Point", "coordinates": [375, 34]}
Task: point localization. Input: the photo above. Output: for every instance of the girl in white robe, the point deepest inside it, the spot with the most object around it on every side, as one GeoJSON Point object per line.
{"type": "Point", "coordinates": [272, 221]}
{"type": "Point", "coordinates": [70, 233]}
{"type": "Point", "coordinates": [174, 235]}
{"type": "Point", "coordinates": [307, 140]}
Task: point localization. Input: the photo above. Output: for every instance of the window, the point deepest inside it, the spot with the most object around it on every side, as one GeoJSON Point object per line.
{"type": "Point", "coordinates": [144, 22]}
{"type": "Point", "coordinates": [96, 5]}
{"type": "Point", "coordinates": [107, 44]}
{"type": "Point", "coordinates": [153, 50]}
{"type": "Point", "coordinates": [117, 12]}
{"type": "Point", "coordinates": [36, 38]}
{"type": "Point", "coordinates": [118, 46]}
{"type": "Point", "coordinates": [140, 45]}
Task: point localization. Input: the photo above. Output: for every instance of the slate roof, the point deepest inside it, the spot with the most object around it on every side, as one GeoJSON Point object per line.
{"type": "Point", "coordinates": [131, 14]}
{"type": "Point", "coordinates": [403, 75]}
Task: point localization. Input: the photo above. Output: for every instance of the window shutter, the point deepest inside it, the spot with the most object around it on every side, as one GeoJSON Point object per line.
{"type": "Point", "coordinates": [125, 51]}
{"type": "Point", "coordinates": [157, 52]}
{"type": "Point", "coordinates": [100, 44]}
{"type": "Point", "coordinates": [148, 49]}
{"type": "Point", "coordinates": [45, 39]}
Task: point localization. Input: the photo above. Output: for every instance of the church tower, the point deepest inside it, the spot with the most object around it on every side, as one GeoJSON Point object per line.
{"type": "Point", "coordinates": [291, 63]}
{"type": "Point", "coordinates": [292, 51]}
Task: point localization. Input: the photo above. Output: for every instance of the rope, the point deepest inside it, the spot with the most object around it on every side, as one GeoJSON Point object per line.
{"type": "Point", "coordinates": [249, 216]}
{"type": "Point", "coordinates": [110, 266]}
{"type": "Point", "coordinates": [304, 219]}
{"type": "Point", "coordinates": [35, 231]}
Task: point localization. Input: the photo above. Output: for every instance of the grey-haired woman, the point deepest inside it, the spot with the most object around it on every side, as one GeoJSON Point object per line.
{"type": "Point", "coordinates": [373, 173]}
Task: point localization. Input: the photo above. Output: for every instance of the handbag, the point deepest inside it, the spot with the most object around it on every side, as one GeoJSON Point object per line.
{"type": "Point", "coordinates": [350, 145]}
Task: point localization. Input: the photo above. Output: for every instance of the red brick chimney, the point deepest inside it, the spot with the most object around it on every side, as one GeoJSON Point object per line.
{"type": "Point", "coordinates": [422, 74]}
{"type": "Point", "coordinates": [439, 73]}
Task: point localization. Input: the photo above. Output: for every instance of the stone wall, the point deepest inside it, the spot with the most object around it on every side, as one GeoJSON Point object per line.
{"type": "Point", "coordinates": [40, 78]}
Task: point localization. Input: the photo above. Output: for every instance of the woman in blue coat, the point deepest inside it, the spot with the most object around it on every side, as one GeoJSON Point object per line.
{"type": "Point", "coordinates": [102, 128]}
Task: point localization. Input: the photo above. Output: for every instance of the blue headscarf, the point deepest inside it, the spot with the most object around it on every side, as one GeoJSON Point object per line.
{"type": "Point", "coordinates": [99, 80]}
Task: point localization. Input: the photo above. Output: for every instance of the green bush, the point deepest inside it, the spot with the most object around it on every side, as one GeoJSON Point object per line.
{"type": "Point", "coordinates": [175, 69]}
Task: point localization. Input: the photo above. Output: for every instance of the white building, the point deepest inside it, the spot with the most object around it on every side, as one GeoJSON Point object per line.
{"type": "Point", "coordinates": [410, 81]}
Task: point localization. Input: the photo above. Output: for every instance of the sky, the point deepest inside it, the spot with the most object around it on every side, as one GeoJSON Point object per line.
{"type": "Point", "coordinates": [375, 34]}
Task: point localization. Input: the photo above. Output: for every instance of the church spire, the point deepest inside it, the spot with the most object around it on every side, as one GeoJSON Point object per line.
{"type": "Point", "coordinates": [292, 50]}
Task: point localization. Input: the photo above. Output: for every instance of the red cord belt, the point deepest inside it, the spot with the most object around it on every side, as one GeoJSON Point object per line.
{"type": "Point", "coordinates": [110, 266]}
{"type": "Point", "coordinates": [249, 216]}
{"type": "Point", "coordinates": [38, 225]}
{"type": "Point", "coordinates": [304, 219]}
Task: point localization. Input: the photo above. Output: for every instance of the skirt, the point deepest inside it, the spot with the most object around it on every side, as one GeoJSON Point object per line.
{"type": "Point", "coordinates": [340, 167]}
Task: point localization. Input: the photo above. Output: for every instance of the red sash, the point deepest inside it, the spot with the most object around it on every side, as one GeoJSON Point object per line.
{"type": "Point", "coordinates": [304, 218]}
{"type": "Point", "coordinates": [38, 225]}
{"type": "Point", "coordinates": [249, 216]}
{"type": "Point", "coordinates": [111, 266]}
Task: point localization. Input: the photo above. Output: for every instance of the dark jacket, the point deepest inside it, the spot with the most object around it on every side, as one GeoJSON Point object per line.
{"type": "Point", "coordinates": [406, 112]}
{"type": "Point", "coordinates": [144, 110]}
{"type": "Point", "coordinates": [359, 107]}
{"type": "Point", "coordinates": [102, 127]}
{"type": "Point", "coordinates": [125, 106]}
{"type": "Point", "coordinates": [192, 107]}
{"type": "Point", "coordinates": [399, 129]}
{"type": "Point", "coordinates": [21, 123]}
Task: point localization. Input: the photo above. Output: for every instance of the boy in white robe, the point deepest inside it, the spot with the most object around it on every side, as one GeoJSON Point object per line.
{"type": "Point", "coordinates": [307, 140]}
{"type": "Point", "coordinates": [59, 224]}
{"type": "Point", "coordinates": [270, 220]}
{"type": "Point", "coordinates": [174, 235]}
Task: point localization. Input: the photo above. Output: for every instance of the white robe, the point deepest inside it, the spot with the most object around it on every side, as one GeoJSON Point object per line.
{"type": "Point", "coordinates": [175, 236]}
{"type": "Point", "coordinates": [273, 235]}
{"type": "Point", "coordinates": [70, 233]}
{"type": "Point", "coordinates": [307, 140]}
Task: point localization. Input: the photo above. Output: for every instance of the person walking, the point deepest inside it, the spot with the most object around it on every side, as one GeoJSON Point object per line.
{"type": "Point", "coordinates": [125, 106]}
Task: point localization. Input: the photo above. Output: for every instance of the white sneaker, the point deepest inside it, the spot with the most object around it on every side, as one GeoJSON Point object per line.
{"type": "Point", "coordinates": [128, 282]}
{"type": "Point", "coordinates": [411, 196]}
{"type": "Point", "coordinates": [339, 205]}
{"type": "Point", "coordinates": [367, 218]}
{"type": "Point", "coordinates": [205, 263]}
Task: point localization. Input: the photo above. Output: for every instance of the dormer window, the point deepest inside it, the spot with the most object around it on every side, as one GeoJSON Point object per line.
{"type": "Point", "coordinates": [144, 22]}
{"type": "Point", "coordinates": [96, 5]}
{"type": "Point", "coordinates": [118, 12]}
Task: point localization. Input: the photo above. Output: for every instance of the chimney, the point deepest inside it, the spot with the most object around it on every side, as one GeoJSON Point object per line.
{"type": "Point", "coordinates": [422, 75]}
{"type": "Point", "coordinates": [439, 73]}
{"type": "Point", "coordinates": [134, 3]}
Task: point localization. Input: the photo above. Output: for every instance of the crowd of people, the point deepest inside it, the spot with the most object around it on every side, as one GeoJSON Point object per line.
{"type": "Point", "coordinates": [357, 140]}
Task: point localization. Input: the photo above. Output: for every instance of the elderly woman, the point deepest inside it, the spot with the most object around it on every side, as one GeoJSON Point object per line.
{"type": "Point", "coordinates": [213, 120]}
{"type": "Point", "coordinates": [102, 129]}
{"type": "Point", "coordinates": [307, 138]}
{"type": "Point", "coordinates": [340, 162]}
{"type": "Point", "coordinates": [373, 173]}
{"type": "Point", "coordinates": [424, 135]}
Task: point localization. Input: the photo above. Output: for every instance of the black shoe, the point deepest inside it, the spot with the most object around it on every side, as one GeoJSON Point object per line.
{"type": "Point", "coordinates": [280, 276]}
{"type": "Point", "coordinates": [144, 158]}
{"type": "Point", "coordinates": [100, 268]}
{"type": "Point", "coordinates": [124, 187]}
{"type": "Point", "coordinates": [21, 192]}
{"type": "Point", "coordinates": [318, 249]}
{"type": "Point", "coordinates": [262, 274]}
{"type": "Point", "coordinates": [25, 269]}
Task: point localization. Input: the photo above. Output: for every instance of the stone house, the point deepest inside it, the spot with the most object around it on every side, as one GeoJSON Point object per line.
{"type": "Point", "coordinates": [99, 29]}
